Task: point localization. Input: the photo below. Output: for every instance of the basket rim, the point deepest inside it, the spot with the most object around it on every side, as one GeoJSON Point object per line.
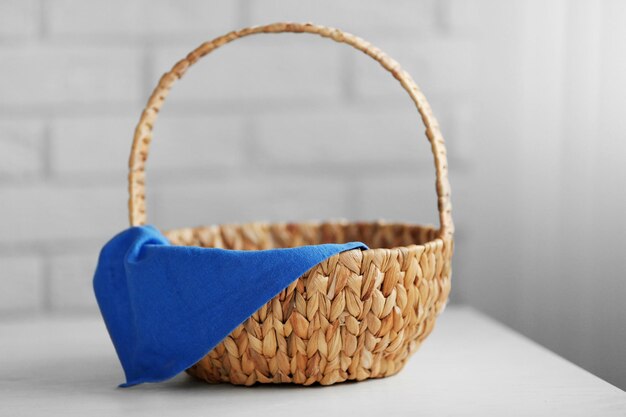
{"type": "Point", "coordinates": [437, 241]}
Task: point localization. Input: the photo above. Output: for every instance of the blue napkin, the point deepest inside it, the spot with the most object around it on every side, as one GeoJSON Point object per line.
{"type": "Point", "coordinates": [166, 307]}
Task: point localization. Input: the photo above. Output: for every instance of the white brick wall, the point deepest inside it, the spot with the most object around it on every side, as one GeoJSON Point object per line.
{"type": "Point", "coordinates": [407, 198]}
{"type": "Point", "coordinates": [148, 19]}
{"type": "Point", "coordinates": [21, 149]}
{"type": "Point", "coordinates": [295, 127]}
{"type": "Point", "coordinates": [287, 68]}
{"type": "Point", "coordinates": [438, 65]}
{"type": "Point", "coordinates": [99, 146]}
{"type": "Point", "coordinates": [288, 127]}
{"type": "Point", "coordinates": [90, 146]}
{"type": "Point", "coordinates": [363, 17]}
{"type": "Point", "coordinates": [54, 75]}
{"type": "Point", "coordinates": [234, 199]}
{"type": "Point", "coordinates": [19, 19]}
{"type": "Point", "coordinates": [74, 76]}
{"type": "Point", "coordinates": [22, 287]}
{"type": "Point", "coordinates": [69, 290]}
{"type": "Point", "coordinates": [355, 138]}
{"type": "Point", "coordinates": [53, 213]}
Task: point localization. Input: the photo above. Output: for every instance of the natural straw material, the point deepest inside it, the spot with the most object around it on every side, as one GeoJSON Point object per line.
{"type": "Point", "coordinates": [357, 315]}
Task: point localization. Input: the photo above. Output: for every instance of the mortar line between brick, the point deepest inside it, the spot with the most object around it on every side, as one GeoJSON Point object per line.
{"type": "Point", "coordinates": [46, 151]}
{"type": "Point", "coordinates": [46, 284]}
{"type": "Point", "coordinates": [347, 74]}
{"type": "Point", "coordinates": [440, 11]}
{"type": "Point", "coordinates": [43, 21]}
{"type": "Point", "coordinates": [147, 61]}
{"type": "Point", "coordinates": [352, 197]}
{"type": "Point", "coordinates": [250, 144]}
{"type": "Point", "coordinates": [244, 17]}
{"type": "Point", "coordinates": [191, 107]}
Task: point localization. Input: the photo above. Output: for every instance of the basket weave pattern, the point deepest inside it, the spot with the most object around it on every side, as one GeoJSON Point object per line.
{"type": "Point", "coordinates": [357, 315]}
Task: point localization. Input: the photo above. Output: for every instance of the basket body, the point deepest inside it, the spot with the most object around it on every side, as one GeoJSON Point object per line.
{"type": "Point", "coordinates": [357, 315]}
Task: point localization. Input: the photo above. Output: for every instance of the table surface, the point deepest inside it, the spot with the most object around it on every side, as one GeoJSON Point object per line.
{"type": "Point", "coordinates": [470, 365]}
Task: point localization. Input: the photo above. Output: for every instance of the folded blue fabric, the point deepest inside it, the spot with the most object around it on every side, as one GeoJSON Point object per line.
{"type": "Point", "coordinates": [166, 307]}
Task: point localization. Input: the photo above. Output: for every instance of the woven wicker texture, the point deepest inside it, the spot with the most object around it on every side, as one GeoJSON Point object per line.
{"type": "Point", "coordinates": [357, 315]}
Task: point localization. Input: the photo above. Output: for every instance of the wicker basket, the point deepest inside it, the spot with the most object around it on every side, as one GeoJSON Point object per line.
{"type": "Point", "coordinates": [357, 315]}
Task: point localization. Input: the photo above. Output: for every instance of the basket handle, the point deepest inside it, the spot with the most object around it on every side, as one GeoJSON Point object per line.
{"type": "Point", "coordinates": [143, 131]}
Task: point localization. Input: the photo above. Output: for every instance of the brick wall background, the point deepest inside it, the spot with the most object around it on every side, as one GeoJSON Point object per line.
{"type": "Point", "coordinates": [295, 128]}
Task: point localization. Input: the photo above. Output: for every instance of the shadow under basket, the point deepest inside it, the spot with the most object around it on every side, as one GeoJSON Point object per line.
{"type": "Point", "coordinates": [357, 315]}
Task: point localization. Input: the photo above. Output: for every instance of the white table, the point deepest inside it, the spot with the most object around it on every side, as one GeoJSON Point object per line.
{"type": "Point", "coordinates": [470, 365]}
